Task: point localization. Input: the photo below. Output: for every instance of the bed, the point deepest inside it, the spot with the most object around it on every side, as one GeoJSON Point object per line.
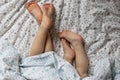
{"type": "Point", "coordinates": [98, 21]}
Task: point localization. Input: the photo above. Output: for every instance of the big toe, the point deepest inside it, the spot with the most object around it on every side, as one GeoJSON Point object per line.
{"type": "Point", "coordinates": [27, 5]}
{"type": "Point", "coordinates": [48, 9]}
{"type": "Point", "coordinates": [66, 45]}
{"type": "Point", "coordinates": [63, 34]}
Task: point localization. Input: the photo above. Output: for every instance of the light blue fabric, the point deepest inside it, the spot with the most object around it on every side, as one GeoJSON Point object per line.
{"type": "Point", "coordinates": [50, 66]}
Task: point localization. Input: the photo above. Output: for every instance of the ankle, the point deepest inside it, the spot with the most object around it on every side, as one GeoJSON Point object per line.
{"type": "Point", "coordinates": [44, 26]}
{"type": "Point", "coordinates": [43, 29]}
{"type": "Point", "coordinates": [82, 71]}
{"type": "Point", "coordinates": [46, 21]}
{"type": "Point", "coordinates": [84, 75]}
{"type": "Point", "coordinates": [68, 60]}
{"type": "Point", "coordinates": [77, 43]}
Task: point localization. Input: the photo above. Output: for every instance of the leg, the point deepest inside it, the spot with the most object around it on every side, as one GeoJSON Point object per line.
{"type": "Point", "coordinates": [69, 53]}
{"type": "Point", "coordinates": [81, 60]}
{"type": "Point", "coordinates": [40, 39]}
{"type": "Point", "coordinates": [36, 12]}
{"type": "Point", "coordinates": [49, 44]}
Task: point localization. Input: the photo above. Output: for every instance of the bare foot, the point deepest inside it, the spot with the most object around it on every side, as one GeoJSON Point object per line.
{"type": "Point", "coordinates": [81, 59]}
{"type": "Point", "coordinates": [69, 53]}
{"type": "Point", "coordinates": [72, 37]}
{"type": "Point", "coordinates": [35, 10]}
{"type": "Point", "coordinates": [48, 11]}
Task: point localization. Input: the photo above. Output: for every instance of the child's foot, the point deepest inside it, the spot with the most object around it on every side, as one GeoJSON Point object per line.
{"type": "Point", "coordinates": [81, 59]}
{"type": "Point", "coordinates": [35, 10]}
{"type": "Point", "coordinates": [72, 37]}
{"type": "Point", "coordinates": [69, 53]}
{"type": "Point", "coordinates": [48, 11]}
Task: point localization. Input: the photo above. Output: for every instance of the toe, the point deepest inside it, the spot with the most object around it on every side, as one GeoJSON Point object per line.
{"type": "Point", "coordinates": [46, 5]}
{"type": "Point", "coordinates": [27, 5]}
{"type": "Point", "coordinates": [66, 45]}
{"type": "Point", "coordinates": [63, 34]}
{"type": "Point", "coordinates": [45, 8]}
{"type": "Point", "coordinates": [48, 8]}
{"type": "Point", "coordinates": [52, 7]}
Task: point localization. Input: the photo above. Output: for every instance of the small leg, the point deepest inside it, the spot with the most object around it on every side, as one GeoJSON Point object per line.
{"type": "Point", "coordinates": [69, 53]}
{"type": "Point", "coordinates": [49, 44]}
{"type": "Point", "coordinates": [35, 10]}
{"type": "Point", "coordinates": [38, 45]}
{"type": "Point", "coordinates": [49, 11]}
{"type": "Point", "coordinates": [81, 60]}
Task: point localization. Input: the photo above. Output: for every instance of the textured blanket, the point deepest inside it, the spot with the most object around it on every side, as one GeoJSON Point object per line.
{"type": "Point", "coordinates": [98, 21]}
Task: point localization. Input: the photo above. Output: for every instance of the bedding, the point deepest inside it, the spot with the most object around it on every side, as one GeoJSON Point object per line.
{"type": "Point", "coordinates": [98, 21]}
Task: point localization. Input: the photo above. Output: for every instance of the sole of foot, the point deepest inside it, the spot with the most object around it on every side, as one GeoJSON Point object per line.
{"type": "Point", "coordinates": [48, 11]}
{"type": "Point", "coordinates": [72, 37]}
{"type": "Point", "coordinates": [35, 10]}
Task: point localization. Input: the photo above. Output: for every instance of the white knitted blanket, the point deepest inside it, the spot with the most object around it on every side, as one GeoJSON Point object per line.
{"type": "Point", "coordinates": [98, 21]}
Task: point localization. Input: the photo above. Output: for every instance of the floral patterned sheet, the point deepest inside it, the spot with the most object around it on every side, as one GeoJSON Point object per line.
{"type": "Point", "coordinates": [50, 66]}
{"type": "Point", "coordinates": [98, 21]}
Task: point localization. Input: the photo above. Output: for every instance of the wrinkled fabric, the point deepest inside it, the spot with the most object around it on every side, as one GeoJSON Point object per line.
{"type": "Point", "coordinates": [9, 62]}
{"type": "Point", "coordinates": [98, 21]}
{"type": "Point", "coordinates": [49, 66]}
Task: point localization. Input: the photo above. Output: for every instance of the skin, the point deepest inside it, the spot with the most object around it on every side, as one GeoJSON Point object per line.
{"type": "Point", "coordinates": [43, 43]}
{"type": "Point", "coordinates": [69, 53]}
{"type": "Point", "coordinates": [81, 59]}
